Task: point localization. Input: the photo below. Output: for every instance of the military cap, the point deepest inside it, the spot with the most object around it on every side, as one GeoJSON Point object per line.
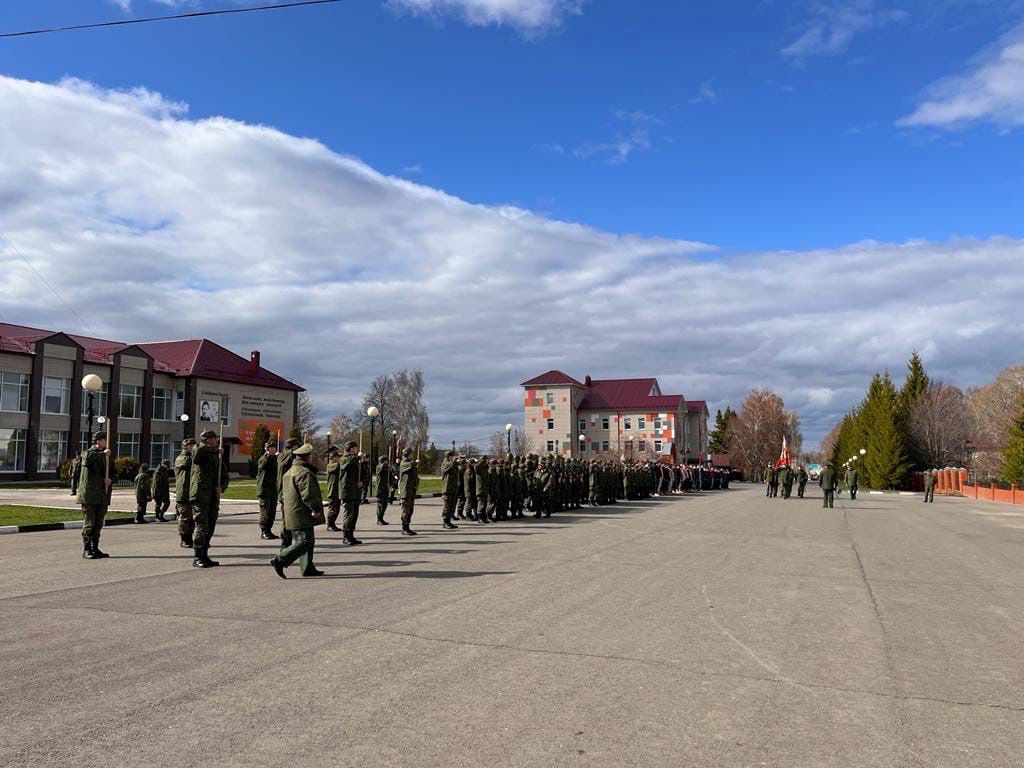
{"type": "Point", "coordinates": [334, 449]}
{"type": "Point", "coordinates": [382, 460]}
{"type": "Point", "coordinates": [450, 453]}
{"type": "Point", "coordinates": [207, 434]}
{"type": "Point", "coordinates": [407, 452]}
{"type": "Point", "coordinates": [351, 444]}
{"type": "Point", "coordinates": [165, 463]}
{"type": "Point", "coordinates": [143, 467]}
{"type": "Point", "coordinates": [291, 442]}
{"type": "Point", "coordinates": [189, 441]}
{"type": "Point", "coordinates": [99, 436]}
{"type": "Point", "coordinates": [303, 450]}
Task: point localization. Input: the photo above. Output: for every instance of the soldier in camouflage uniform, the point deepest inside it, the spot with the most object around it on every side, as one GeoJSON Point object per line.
{"type": "Point", "coordinates": [303, 510]}
{"type": "Point", "coordinates": [385, 481]}
{"type": "Point", "coordinates": [449, 489]}
{"type": "Point", "coordinates": [93, 495]}
{"type": "Point", "coordinates": [266, 490]}
{"type": "Point", "coordinates": [469, 489]}
{"type": "Point", "coordinates": [408, 483]}
{"type": "Point", "coordinates": [460, 489]}
{"type": "Point", "coordinates": [284, 463]}
{"type": "Point", "coordinates": [333, 471]}
{"type": "Point", "coordinates": [161, 489]}
{"type": "Point", "coordinates": [209, 480]}
{"type": "Point", "coordinates": [352, 482]}
{"type": "Point", "coordinates": [182, 492]}
{"type": "Point", "coordinates": [483, 489]}
{"type": "Point", "coordinates": [142, 494]}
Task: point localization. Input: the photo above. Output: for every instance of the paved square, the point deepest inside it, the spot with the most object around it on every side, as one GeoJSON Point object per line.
{"type": "Point", "coordinates": [720, 630]}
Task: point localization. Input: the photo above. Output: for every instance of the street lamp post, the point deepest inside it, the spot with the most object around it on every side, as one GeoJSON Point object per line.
{"type": "Point", "coordinates": [508, 435]}
{"type": "Point", "coordinates": [373, 412]}
{"type": "Point", "coordinates": [583, 445]}
{"type": "Point", "coordinates": [92, 384]}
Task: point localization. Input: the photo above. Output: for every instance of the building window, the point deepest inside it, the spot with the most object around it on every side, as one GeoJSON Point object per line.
{"type": "Point", "coordinates": [12, 450]}
{"type": "Point", "coordinates": [657, 425]}
{"type": "Point", "coordinates": [595, 446]}
{"type": "Point", "coordinates": [582, 425]}
{"type": "Point", "coordinates": [161, 404]}
{"type": "Point", "coordinates": [627, 422]}
{"type": "Point", "coordinates": [14, 391]}
{"type": "Point", "coordinates": [551, 446]}
{"type": "Point", "coordinates": [159, 449]}
{"type": "Point", "coordinates": [131, 403]}
{"type": "Point", "coordinates": [604, 446]}
{"type": "Point", "coordinates": [128, 444]}
{"type": "Point", "coordinates": [53, 449]}
{"type": "Point", "coordinates": [657, 446]}
{"type": "Point", "coordinates": [551, 423]}
{"type": "Point", "coordinates": [550, 397]}
{"type": "Point", "coordinates": [641, 445]}
{"type": "Point", "coordinates": [604, 422]}
{"type": "Point", "coordinates": [56, 394]}
{"type": "Point", "coordinates": [85, 442]}
{"type": "Point", "coordinates": [641, 422]}
{"type": "Point", "coordinates": [99, 401]}
{"type": "Point", "coordinates": [179, 404]}
{"type": "Point", "coordinates": [175, 448]}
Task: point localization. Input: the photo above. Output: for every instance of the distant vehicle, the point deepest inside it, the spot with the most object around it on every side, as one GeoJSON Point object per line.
{"type": "Point", "coordinates": [813, 471]}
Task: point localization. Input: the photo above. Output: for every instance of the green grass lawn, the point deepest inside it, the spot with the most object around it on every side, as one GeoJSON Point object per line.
{"type": "Point", "coordinates": [245, 490]}
{"type": "Point", "coordinates": [11, 514]}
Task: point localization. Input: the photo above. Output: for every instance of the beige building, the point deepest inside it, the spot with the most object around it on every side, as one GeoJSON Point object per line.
{"type": "Point", "coordinates": [624, 417]}
{"type": "Point", "coordinates": [44, 412]}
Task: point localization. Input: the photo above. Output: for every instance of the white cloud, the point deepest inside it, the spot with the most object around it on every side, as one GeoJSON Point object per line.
{"type": "Point", "coordinates": [833, 26]}
{"type": "Point", "coordinates": [705, 94]}
{"type": "Point", "coordinates": [618, 150]}
{"type": "Point", "coordinates": [528, 15]}
{"type": "Point", "coordinates": [155, 226]}
{"type": "Point", "coordinates": [991, 89]}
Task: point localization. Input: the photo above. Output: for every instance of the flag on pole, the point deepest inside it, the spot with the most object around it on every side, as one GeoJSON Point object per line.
{"type": "Point", "coordinates": [784, 458]}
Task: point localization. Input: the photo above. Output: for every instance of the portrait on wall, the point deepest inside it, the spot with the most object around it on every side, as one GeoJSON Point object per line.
{"type": "Point", "coordinates": [209, 410]}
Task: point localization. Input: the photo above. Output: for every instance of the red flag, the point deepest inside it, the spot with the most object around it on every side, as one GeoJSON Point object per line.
{"type": "Point", "coordinates": [784, 457]}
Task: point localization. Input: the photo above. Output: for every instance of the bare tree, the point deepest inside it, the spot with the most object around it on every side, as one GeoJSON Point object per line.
{"type": "Point", "coordinates": [993, 408]}
{"type": "Point", "coordinates": [342, 428]}
{"type": "Point", "coordinates": [498, 443]}
{"type": "Point", "coordinates": [939, 425]}
{"type": "Point", "coordinates": [399, 399]}
{"type": "Point", "coordinates": [755, 434]}
{"type": "Point", "coordinates": [307, 423]}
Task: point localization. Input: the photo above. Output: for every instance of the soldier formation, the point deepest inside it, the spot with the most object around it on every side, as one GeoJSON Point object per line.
{"type": "Point", "coordinates": [482, 490]}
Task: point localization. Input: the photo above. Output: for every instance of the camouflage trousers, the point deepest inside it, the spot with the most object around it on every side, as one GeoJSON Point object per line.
{"type": "Point", "coordinates": [348, 523]}
{"type": "Point", "coordinates": [408, 503]}
{"type": "Point", "coordinates": [205, 516]}
{"type": "Point", "coordinates": [301, 549]}
{"type": "Point", "coordinates": [161, 505]}
{"type": "Point", "coordinates": [481, 505]}
{"type": "Point", "coordinates": [471, 507]}
{"type": "Point", "coordinates": [93, 516]}
{"type": "Point", "coordinates": [448, 508]}
{"type": "Point", "coordinates": [382, 505]}
{"type": "Point", "coordinates": [333, 511]}
{"type": "Point", "coordinates": [186, 522]}
{"type": "Point", "coordinates": [268, 512]}
{"type": "Point", "coordinates": [460, 507]}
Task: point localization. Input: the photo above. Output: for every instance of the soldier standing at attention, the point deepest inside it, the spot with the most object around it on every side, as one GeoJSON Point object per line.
{"type": "Point", "coordinates": [208, 481]}
{"type": "Point", "coordinates": [284, 463]}
{"type": "Point", "coordinates": [333, 487]}
{"type": "Point", "coordinates": [483, 482]}
{"type": "Point", "coordinates": [929, 487]}
{"type": "Point", "coordinates": [352, 482]}
{"type": "Point", "coordinates": [851, 482]}
{"type": "Point", "coordinates": [385, 479]}
{"type": "Point", "coordinates": [828, 482]}
{"type": "Point", "coordinates": [365, 470]}
{"type": "Point", "coordinates": [182, 492]}
{"type": "Point", "coordinates": [460, 490]}
{"type": "Point", "coordinates": [801, 480]}
{"type": "Point", "coordinates": [469, 489]}
{"type": "Point", "coordinates": [161, 489]}
{"type": "Point", "coordinates": [408, 483]}
{"type": "Point", "coordinates": [449, 489]}
{"type": "Point", "coordinates": [76, 471]}
{"type": "Point", "coordinates": [142, 494]}
{"type": "Point", "coordinates": [266, 490]}
{"type": "Point", "coordinates": [93, 485]}
{"type": "Point", "coordinates": [303, 511]}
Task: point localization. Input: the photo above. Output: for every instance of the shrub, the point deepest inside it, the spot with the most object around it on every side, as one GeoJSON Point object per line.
{"type": "Point", "coordinates": [126, 467]}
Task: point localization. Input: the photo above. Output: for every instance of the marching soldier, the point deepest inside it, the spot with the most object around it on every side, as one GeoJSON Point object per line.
{"type": "Point", "coordinates": [828, 482]}
{"type": "Point", "coordinates": [209, 480]}
{"type": "Point", "coordinates": [303, 511]}
{"type": "Point", "coordinates": [93, 489]}
{"type": "Point", "coordinates": [161, 489]}
{"type": "Point", "coordinates": [352, 482]}
{"type": "Point", "coordinates": [801, 479]}
{"type": "Point", "coordinates": [385, 481]}
{"type": "Point", "coordinates": [266, 490]}
{"type": "Point", "coordinates": [786, 478]}
{"type": "Point", "coordinates": [408, 483]}
{"type": "Point", "coordinates": [449, 489]}
{"type": "Point", "coordinates": [142, 494]}
{"type": "Point", "coordinates": [333, 488]}
{"type": "Point", "coordinates": [183, 491]}
{"type": "Point", "coordinates": [851, 482]}
{"type": "Point", "coordinates": [284, 463]}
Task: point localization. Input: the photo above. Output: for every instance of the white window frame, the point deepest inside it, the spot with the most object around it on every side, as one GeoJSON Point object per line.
{"type": "Point", "coordinates": [99, 401]}
{"type": "Point", "coordinates": [641, 445]}
{"type": "Point", "coordinates": [582, 424]}
{"type": "Point", "coordinates": [549, 398]}
{"type": "Point", "coordinates": [641, 422]}
{"type": "Point", "coordinates": [64, 387]}
{"type": "Point", "coordinates": [53, 444]}
{"type": "Point", "coordinates": [605, 423]}
{"type": "Point", "coordinates": [657, 425]}
{"type": "Point", "coordinates": [168, 398]}
{"type": "Point", "coordinates": [225, 411]}
{"type": "Point", "coordinates": [17, 437]}
{"type": "Point", "coordinates": [135, 441]}
{"type": "Point", "coordinates": [23, 385]}
{"type": "Point", "coordinates": [135, 398]}
{"type": "Point", "coordinates": [167, 452]}
{"type": "Point", "coordinates": [657, 446]}
{"type": "Point", "coordinates": [627, 422]}
{"type": "Point", "coordinates": [550, 423]}
{"type": "Point", "coordinates": [551, 446]}
{"type": "Point", "coordinates": [179, 403]}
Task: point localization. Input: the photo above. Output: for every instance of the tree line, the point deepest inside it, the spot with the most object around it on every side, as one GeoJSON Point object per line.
{"type": "Point", "coordinates": [753, 436]}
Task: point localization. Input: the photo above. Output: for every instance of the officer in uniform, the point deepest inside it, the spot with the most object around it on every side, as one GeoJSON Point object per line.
{"type": "Point", "coordinates": [209, 480]}
{"type": "Point", "coordinates": [929, 486]}
{"type": "Point", "coordinates": [142, 494]}
{"type": "Point", "coordinates": [851, 482]}
{"type": "Point", "coordinates": [284, 463]}
{"type": "Point", "coordinates": [333, 487]}
{"type": "Point", "coordinates": [449, 489]}
{"type": "Point", "coordinates": [303, 511]}
{"type": "Point", "coordinates": [408, 483]}
{"type": "Point", "coordinates": [352, 482]}
{"type": "Point", "coordinates": [828, 482]}
{"type": "Point", "coordinates": [483, 489]}
{"type": "Point", "coordinates": [469, 489]}
{"type": "Point", "coordinates": [182, 492]}
{"type": "Point", "coordinates": [460, 489]}
{"type": "Point", "coordinates": [266, 489]}
{"type": "Point", "coordinates": [385, 481]}
{"type": "Point", "coordinates": [801, 479]}
{"type": "Point", "coordinates": [786, 478]}
{"type": "Point", "coordinates": [94, 496]}
{"type": "Point", "coordinates": [161, 490]}
{"type": "Point", "coordinates": [76, 472]}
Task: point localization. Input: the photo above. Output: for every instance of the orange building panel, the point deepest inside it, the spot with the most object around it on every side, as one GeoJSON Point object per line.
{"type": "Point", "coordinates": [547, 414]}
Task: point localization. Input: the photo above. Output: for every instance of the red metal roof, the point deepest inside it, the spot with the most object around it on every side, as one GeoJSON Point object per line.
{"type": "Point", "coordinates": [696, 406]}
{"type": "Point", "coordinates": [192, 357]}
{"type": "Point", "coordinates": [628, 394]}
{"type": "Point", "coordinates": [551, 378]}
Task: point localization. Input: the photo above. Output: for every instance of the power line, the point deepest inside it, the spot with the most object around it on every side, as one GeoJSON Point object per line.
{"type": "Point", "coordinates": [47, 284]}
{"type": "Point", "coordinates": [172, 17]}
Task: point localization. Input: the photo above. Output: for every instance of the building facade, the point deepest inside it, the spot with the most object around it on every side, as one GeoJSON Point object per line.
{"type": "Point", "coordinates": [44, 412]}
{"type": "Point", "coordinates": [623, 417]}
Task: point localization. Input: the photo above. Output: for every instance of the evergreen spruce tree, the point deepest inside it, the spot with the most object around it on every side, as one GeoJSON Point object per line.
{"type": "Point", "coordinates": [886, 465]}
{"type": "Point", "coordinates": [1013, 453]}
{"type": "Point", "coordinates": [916, 384]}
{"type": "Point", "coordinates": [718, 440]}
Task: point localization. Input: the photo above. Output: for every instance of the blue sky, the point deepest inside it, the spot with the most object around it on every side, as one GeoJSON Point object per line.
{"type": "Point", "coordinates": [790, 195]}
{"type": "Point", "coordinates": [780, 151]}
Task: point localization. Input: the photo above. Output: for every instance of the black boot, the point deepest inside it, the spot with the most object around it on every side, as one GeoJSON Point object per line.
{"type": "Point", "coordinates": [186, 541]}
{"type": "Point", "coordinates": [87, 553]}
{"type": "Point", "coordinates": [202, 559]}
{"type": "Point", "coordinates": [349, 539]}
{"type": "Point", "coordinates": [97, 553]}
{"type": "Point", "coordinates": [381, 520]}
{"type": "Point", "coordinates": [407, 531]}
{"type": "Point", "coordinates": [331, 526]}
{"type": "Point", "coordinates": [286, 538]}
{"type": "Point", "coordinates": [140, 517]}
{"type": "Point", "coordinates": [268, 535]}
{"type": "Point", "coordinates": [449, 524]}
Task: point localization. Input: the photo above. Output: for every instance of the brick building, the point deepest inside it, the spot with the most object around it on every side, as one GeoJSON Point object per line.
{"type": "Point", "coordinates": [43, 407]}
{"type": "Point", "coordinates": [624, 417]}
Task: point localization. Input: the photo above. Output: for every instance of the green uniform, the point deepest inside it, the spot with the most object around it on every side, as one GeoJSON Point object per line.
{"type": "Point", "coordinates": [333, 493]}
{"type": "Point", "coordinates": [929, 488]}
{"type": "Point", "coordinates": [408, 483]}
{"type": "Point", "coordinates": [786, 479]}
{"type": "Point", "coordinates": [303, 511]}
{"type": "Point", "coordinates": [801, 479]}
{"type": "Point", "coordinates": [207, 482]}
{"type": "Point", "coordinates": [385, 481]}
{"type": "Point", "coordinates": [449, 489]}
{"type": "Point", "coordinates": [351, 479]}
{"type": "Point", "coordinates": [827, 481]}
{"type": "Point", "coordinates": [851, 482]}
{"type": "Point", "coordinates": [142, 495]}
{"type": "Point", "coordinates": [182, 496]}
{"type": "Point", "coordinates": [483, 488]}
{"type": "Point", "coordinates": [284, 463]}
{"type": "Point", "coordinates": [469, 489]}
{"type": "Point", "coordinates": [92, 494]}
{"type": "Point", "coordinates": [161, 490]}
{"type": "Point", "coordinates": [266, 490]}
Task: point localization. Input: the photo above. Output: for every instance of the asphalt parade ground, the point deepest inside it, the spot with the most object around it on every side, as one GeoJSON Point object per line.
{"type": "Point", "coordinates": [716, 630]}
